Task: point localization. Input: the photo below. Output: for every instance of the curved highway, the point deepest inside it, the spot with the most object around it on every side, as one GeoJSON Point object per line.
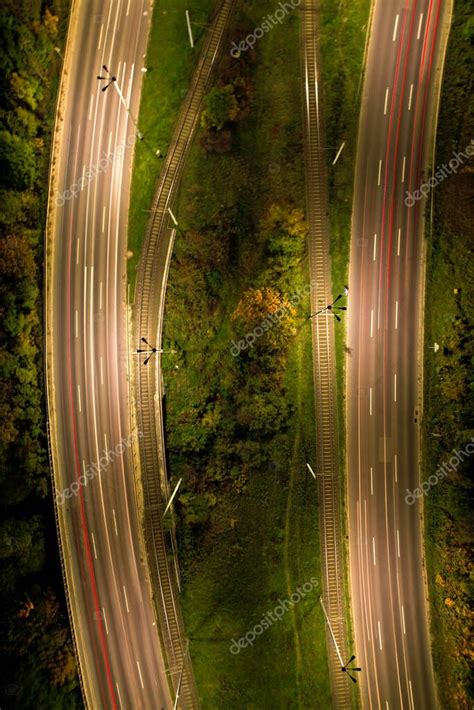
{"type": "Point", "coordinates": [385, 315]}
{"type": "Point", "coordinates": [87, 361]}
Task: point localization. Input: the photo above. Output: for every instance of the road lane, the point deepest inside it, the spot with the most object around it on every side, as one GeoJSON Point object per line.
{"type": "Point", "coordinates": [386, 288]}
{"type": "Point", "coordinates": [117, 639]}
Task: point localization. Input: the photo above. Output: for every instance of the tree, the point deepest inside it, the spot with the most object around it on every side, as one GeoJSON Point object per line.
{"type": "Point", "coordinates": [266, 317]}
{"type": "Point", "coordinates": [16, 258]}
{"type": "Point", "coordinates": [25, 90]}
{"type": "Point", "coordinates": [17, 162]}
{"type": "Point", "coordinates": [221, 107]}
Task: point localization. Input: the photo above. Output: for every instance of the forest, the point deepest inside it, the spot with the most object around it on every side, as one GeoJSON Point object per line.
{"type": "Point", "coordinates": [36, 651]}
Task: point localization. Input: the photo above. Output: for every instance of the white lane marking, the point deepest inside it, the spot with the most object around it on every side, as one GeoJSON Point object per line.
{"type": "Point", "coordinates": [403, 621]}
{"type": "Point", "coordinates": [105, 621]}
{"type": "Point", "coordinates": [101, 370]}
{"type": "Point", "coordinates": [411, 695]}
{"type": "Point", "coordinates": [371, 481]}
{"type": "Point", "coordinates": [370, 401]}
{"type": "Point", "coordinates": [115, 522]}
{"type": "Point", "coordinates": [410, 97]}
{"type": "Point", "coordinates": [396, 315]}
{"type": "Point", "coordinates": [128, 8]}
{"type": "Point", "coordinates": [386, 102]}
{"type": "Point", "coordinates": [77, 323]}
{"type": "Point", "coordinates": [105, 441]}
{"type": "Point", "coordinates": [395, 387]}
{"type": "Point", "coordinates": [396, 468]}
{"type": "Point", "coordinates": [399, 237]}
{"type": "Point", "coordinates": [90, 106]}
{"type": "Point", "coordinates": [140, 674]}
{"type": "Point", "coordinates": [100, 38]}
{"type": "Point", "coordinates": [380, 171]}
{"type": "Point", "coordinates": [100, 295]}
{"type": "Point", "coordinates": [372, 323]}
{"type": "Point", "coordinates": [77, 251]}
{"type": "Point", "coordinates": [119, 696]}
{"type": "Point", "coordinates": [373, 550]}
{"type": "Point", "coordinates": [79, 397]}
{"type": "Point", "coordinates": [110, 142]}
{"type": "Point", "coordinates": [126, 600]}
{"type": "Point", "coordinates": [419, 26]}
{"type": "Point", "coordinates": [93, 545]}
{"type": "Point", "coordinates": [375, 246]}
{"type": "Point", "coordinates": [380, 635]}
{"type": "Point", "coordinates": [85, 289]}
{"type": "Point", "coordinates": [398, 543]}
{"type": "Point", "coordinates": [403, 167]}
{"type": "Point", "coordinates": [395, 29]}
{"type": "Point", "coordinates": [83, 182]}
{"type": "Point", "coordinates": [103, 219]}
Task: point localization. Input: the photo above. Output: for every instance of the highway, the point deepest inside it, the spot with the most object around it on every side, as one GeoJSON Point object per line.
{"type": "Point", "coordinates": [87, 362]}
{"type": "Point", "coordinates": [384, 364]}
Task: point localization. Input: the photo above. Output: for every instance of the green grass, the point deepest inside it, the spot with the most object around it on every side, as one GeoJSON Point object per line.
{"type": "Point", "coordinates": [448, 409]}
{"type": "Point", "coordinates": [262, 541]}
{"type": "Point", "coordinates": [170, 62]}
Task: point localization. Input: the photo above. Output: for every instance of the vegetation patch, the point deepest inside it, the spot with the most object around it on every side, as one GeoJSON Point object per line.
{"type": "Point", "coordinates": [170, 63]}
{"type": "Point", "coordinates": [239, 403]}
{"type": "Point", "coordinates": [448, 415]}
{"type": "Point", "coordinates": [36, 652]}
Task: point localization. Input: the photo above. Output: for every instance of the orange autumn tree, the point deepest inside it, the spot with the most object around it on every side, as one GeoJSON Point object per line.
{"type": "Point", "coordinates": [265, 317]}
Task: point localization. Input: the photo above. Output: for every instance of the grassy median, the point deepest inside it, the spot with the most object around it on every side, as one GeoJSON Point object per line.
{"type": "Point", "coordinates": [170, 62]}
{"type": "Point", "coordinates": [241, 426]}
{"type": "Point", "coordinates": [448, 414]}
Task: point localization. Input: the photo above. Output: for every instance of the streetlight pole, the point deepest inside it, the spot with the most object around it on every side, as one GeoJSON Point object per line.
{"type": "Point", "coordinates": [113, 80]}
{"type": "Point", "coordinates": [178, 689]}
{"type": "Point", "coordinates": [331, 307]}
{"type": "Point", "coordinates": [332, 633]}
{"type": "Point", "coordinates": [150, 351]}
{"type": "Point", "coordinates": [190, 31]}
{"type": "Point", "coordinates": [345, 667]}
{"type": "Point", "coordinates": [172, 497]}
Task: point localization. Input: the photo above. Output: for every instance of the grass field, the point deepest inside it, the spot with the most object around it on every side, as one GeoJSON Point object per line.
{"type": "Point", "coordinates": [448, 412]}
{"type": "Point", "coordinates": [170, 62]}
{"type": "Point", "coordinates": [261, 539]}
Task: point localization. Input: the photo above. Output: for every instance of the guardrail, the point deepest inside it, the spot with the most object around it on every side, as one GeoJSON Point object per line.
{"type": "Point", "coordinates": [148, 317]}
{"type": "Point", "coordinates": [324, 362]}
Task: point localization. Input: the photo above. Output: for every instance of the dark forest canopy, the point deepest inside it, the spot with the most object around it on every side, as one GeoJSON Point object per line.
{"type": "Point", "coordinates": [36, 653]}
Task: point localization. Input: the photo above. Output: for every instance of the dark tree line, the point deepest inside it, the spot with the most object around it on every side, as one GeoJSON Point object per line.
{"type": "Point", "coordinates": [36, 654]}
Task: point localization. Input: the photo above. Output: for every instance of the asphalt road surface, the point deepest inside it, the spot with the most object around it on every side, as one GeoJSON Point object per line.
{"type": "Point", "coordinates": [117, 640]}
{"type": "Point", "coordinates": [384, 364]}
